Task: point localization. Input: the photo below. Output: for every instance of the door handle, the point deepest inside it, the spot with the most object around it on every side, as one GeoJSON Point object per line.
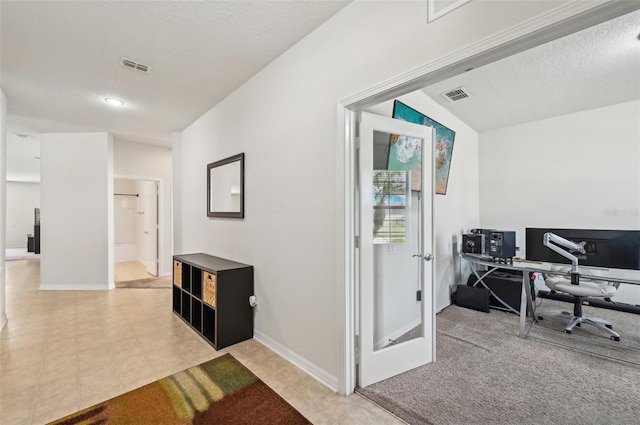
{"type": "Point", "coordinates": [427, 257]}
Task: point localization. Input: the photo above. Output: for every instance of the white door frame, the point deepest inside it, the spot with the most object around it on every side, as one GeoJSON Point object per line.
{"type": "Point", "coordinates": [557, 23]}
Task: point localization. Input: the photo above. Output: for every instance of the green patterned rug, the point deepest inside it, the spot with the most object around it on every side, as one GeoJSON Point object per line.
{"type": "Point", "coordinates": [220, 391]}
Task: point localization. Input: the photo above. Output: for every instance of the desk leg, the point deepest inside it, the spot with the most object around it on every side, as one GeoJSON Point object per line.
{"type": "Point", "coordinates": [523, 306]}
{"type": "Point", "coordinates": [480, 280]}
{"type": "Point", "coordinates": [526, 300]}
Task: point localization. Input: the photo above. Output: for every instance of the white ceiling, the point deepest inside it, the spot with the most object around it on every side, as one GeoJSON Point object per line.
{"type": "Point", "coordinates": [596, 67]}
{"type": "Point", "coordinates": [60, 59]}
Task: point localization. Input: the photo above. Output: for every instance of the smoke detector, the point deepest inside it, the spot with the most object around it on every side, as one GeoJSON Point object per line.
{"type": "Point", "coordinates": [456, 94]}
{"type": "Point", "coordinates": [128, 63]}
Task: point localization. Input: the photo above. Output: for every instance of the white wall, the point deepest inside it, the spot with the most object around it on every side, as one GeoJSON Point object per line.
{"type": "Point", "coordinates": [3, 208]}
{"type": "Point", "coordinates": [76, 211]}
{"type": "Point", "coordinates": [176, 201]}
{"type": "Point", "coordinates": [22, 198]}
{"type": "Point", "coordinates": [148, 162]}
{"type": "Point", "coordinates": [284, 119]}
{"type": "Point", "coordinates": [578, 171]}
{"type": "Point", "coordinates": [396, 280]}
{"type": "Point", "coordinates": [125, 221]}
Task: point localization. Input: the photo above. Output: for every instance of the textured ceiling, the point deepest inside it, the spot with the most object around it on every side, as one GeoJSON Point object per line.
{"type": "Point", "coordinates": [592, 68]}
{"type": "Point", "coordinates": [60, 59]}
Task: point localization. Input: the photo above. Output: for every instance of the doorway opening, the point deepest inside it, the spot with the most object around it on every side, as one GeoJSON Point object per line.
{"type": "Point", "coordinates": [410, 87]}
{"type": "Point", "coordinates": [136, 230]}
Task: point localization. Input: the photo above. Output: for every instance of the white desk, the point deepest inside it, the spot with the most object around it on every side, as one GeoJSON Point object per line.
{"type": "Point", "coordinates": [610, 275]}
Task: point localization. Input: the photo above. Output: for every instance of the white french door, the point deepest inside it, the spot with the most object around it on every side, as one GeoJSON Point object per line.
{"type": "Point", "coordinates": [396, 191]}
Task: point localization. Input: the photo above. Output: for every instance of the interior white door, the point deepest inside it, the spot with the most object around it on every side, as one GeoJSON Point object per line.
{"type": "Point", "coordinates": [396, 191]}
{"type": "Point", "coordinates": [149, 225]}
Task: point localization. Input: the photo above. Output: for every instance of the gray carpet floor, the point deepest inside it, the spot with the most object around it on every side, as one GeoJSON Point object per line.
{"type": "Point", "coordinates": [485, 374]}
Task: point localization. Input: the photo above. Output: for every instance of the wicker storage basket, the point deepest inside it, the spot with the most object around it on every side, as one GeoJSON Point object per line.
{"type": "Point", "coordinates": [209, 288]}
{"type": "Point", "coordinates": [177, 273]}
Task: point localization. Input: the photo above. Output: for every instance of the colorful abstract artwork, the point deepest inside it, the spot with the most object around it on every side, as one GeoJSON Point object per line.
{"type": "Point", "coordinates": [405, 152]}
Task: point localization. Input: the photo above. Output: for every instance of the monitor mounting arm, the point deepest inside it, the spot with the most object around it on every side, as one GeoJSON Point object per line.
{"type": "Point", "coordinates": [549, 237]}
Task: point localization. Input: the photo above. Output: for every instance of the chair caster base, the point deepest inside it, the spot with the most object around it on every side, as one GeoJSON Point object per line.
{"type": "Point", "coordinates": [609, 326]}
{"type": "Point", "coordinates": [566, 331]}
{"type": "Point", "coordinates": [615, 338]}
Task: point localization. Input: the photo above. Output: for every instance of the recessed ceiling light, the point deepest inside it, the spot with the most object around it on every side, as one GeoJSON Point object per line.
{"type": "Point", "coordinates": [113, 101]}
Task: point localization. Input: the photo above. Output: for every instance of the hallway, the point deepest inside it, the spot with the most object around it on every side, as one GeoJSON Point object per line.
{"type": "Point", "coordinates": [62, 351]}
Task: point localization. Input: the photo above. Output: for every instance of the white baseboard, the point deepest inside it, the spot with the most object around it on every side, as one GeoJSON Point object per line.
{"type": "Point", "coordinates": [75, 287]}
{"type": "Point", "coordinates": [319, 374]}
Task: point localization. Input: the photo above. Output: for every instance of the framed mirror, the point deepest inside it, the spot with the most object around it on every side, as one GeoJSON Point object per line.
{"type": "Point", "coordinates": [225, 187]}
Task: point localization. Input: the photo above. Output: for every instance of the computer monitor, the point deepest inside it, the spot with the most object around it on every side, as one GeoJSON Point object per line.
{"type": "Point", "coordinates": [617, 249]}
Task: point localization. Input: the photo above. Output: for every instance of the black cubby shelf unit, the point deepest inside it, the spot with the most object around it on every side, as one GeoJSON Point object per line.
{"type": "Point", "coordinates": [211, 294]}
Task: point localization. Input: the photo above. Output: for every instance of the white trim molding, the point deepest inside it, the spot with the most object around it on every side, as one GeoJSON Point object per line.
{"type": "Point", "coordinates": [345, 253]}
{"type": "Point", "coordinates": [77, 287]}
{"type": "Point", "coordinates": [320, 375]}
{"type": "Point", "coordinates": [549, 26]}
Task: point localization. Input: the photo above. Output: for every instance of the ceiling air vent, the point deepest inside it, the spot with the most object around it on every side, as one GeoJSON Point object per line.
{"type": "Point", "coordinates": [456, 94]}
{"type": "Point", "coordinates": [128, 63]}
{"type": "Point", "coordinates": [439, 8]}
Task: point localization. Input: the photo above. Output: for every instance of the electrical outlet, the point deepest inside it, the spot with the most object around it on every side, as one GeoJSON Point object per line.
{"type": "Point", "coordinates": [419, 295]}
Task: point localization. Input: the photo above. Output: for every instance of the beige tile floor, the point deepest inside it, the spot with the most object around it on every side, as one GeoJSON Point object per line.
{"type": "Point", "coordinates": [130, 270]}
{"type": "Point", "coordinates": [62, 351]}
